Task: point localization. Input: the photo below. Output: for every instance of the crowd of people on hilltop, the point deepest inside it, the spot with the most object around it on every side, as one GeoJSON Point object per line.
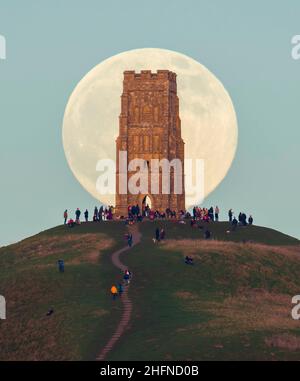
{"type": "Point", "coordinates": [205, 214]}
{"type": "Point", "coordinates": [101, 214]}
{"type": "Point", "coordinates": [242, 219]}
{"type": "Point", "coordinates": [135, 214]}
{"type": "Point", "coordinates": [134, 211]}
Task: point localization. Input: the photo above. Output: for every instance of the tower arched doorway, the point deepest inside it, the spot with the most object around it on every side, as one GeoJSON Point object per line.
{"type": "Point", "coordinates": [146, 204]}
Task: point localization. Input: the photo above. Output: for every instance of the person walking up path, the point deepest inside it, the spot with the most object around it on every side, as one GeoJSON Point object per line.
{"type": "Point", "coordinates": [127, 305]}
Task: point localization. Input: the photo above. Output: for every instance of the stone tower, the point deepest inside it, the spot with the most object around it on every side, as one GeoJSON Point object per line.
{"type": "Point", "coordinates": [150, 128]}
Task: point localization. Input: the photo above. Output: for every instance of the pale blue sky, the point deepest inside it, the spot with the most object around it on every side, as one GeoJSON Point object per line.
{"type": "Point", "coordinates": [51, 45]}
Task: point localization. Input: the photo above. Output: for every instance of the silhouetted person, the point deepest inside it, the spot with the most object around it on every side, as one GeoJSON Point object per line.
{"type": "Point", "coordinates": [86, 215]}
{"type": "Point", "coordinates": [234, 223]}
{"type": "Point", "coordinates": [78, 213]}
{"type": "Point", "coordinates": [243, 220]}
{"type": "Point", "coordinates": [100, 215]}
{"type": "Point", "coordinates": [95, 216]}
{"type": "Point", "coordinates": [230, 214]}
{"type": "Point", "coordinates": [250, 220]}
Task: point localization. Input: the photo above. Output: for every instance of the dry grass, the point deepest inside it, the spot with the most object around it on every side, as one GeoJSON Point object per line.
{"type": "Point", "coordinates": [250, 310]}
{"type": "Point", "coordinates": [284, 341]}
{"type": "Point", "coordinates": [198, 247]}
{"type": "Point", "coordinates": [89, 247]}
{"type": "Point", "coordinates": [29, 334]}
{"type": "Point", "coordinates": [243, 261]}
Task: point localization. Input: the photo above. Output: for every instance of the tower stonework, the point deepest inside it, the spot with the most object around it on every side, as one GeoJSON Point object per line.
{"type": "Point", "coordinates": [149, 128]}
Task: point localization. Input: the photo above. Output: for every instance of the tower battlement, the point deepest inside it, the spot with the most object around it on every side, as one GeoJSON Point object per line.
{"type": "Point", "coordinates": [130, 75]}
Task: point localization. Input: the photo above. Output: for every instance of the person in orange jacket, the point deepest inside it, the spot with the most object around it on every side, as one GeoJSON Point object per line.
{"type": "Point", "coordinates": [114, 292]}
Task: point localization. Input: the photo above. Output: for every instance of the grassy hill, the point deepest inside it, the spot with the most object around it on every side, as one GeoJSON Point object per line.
{"type": "Point", "coordinates": [234, 303]}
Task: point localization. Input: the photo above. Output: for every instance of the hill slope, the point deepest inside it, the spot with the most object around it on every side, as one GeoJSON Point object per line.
{"type": "Point", "coordinates": [234, 303]}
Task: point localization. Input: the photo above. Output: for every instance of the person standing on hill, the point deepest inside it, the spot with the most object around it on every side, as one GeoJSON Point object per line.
{"type": "Point", "coordinates": [217, 211]}
{"type": "Point", "coordinates": [120, 289]}
{"type": "Point", "coordinates": [230, 214]}
{"type": "Point", "coordinates": [244, 219]}
{"type": "Point", "coordinates": [65, 216]}
{"type": "Point", "coordinates": [240, 218]}
{"type": "Point", "coordinates": [250, 220]}
{"type": "Point", "coordinates": [129, 240]}
{"type": "Point", "coordinates": [61, 265]}
{"type": "Point", "coordinates": [211, 213]}
{"type": "Point", "coordinates": [157, 234]}
{"type": "Point", "coordinates": [101, 213]}
{"type": "Point", "coordinates": [127, 277]}
{"type": "Point", "coordinates": [95, 217]}
{"type": "Point", "coordinates": [86, 215]}
{"type": "Point", "coordinates": [114, 292]}
{"type": "Point", "coordinates": [78, 213]}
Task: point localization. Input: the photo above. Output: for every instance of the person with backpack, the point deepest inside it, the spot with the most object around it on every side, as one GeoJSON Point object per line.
{"type": "Point", "coordinates": [77, 214]}
{"type": "Point", "coordinates": [127, 277]}
{"type": "Point", "coordinates": [120, 289]}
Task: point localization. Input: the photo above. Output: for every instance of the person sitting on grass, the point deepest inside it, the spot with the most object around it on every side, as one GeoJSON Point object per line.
{"type": "Point", "coordinates": [50, 312]}
{"type": "Point", "coordinates": [71, 223]}
{"type": "Point", "coordinates": [207, 234]}
{"type": "Point", "coordinates": [234, 223]}
{"type": "Point", "coordinates": [189, 260]}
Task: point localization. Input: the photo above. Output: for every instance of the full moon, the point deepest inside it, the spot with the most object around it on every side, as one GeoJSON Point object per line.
{"type": "Point", "coordinates": [91, 120]}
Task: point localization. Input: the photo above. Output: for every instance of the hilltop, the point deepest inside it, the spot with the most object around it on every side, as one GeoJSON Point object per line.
{"type": "Point", "coordinates": [234, 303]}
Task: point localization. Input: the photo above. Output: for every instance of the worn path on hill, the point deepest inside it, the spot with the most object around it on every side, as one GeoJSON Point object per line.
{"type": "Point", "coordinates": [127, 304]}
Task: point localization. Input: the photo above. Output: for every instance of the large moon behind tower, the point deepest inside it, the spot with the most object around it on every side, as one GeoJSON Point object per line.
{"type": "Point", "coordinates": [91, 120]}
